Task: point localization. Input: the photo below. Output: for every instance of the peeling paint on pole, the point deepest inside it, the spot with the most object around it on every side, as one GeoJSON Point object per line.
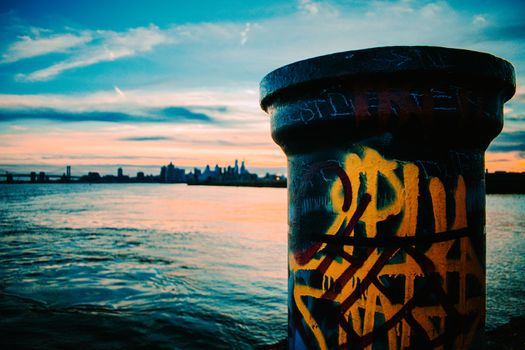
{"type": "Point", "coordinates": [385, 152]}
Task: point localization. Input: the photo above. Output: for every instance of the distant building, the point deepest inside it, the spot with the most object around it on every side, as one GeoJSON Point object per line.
{"type": "Point", "coordinates": [140, 175]}
{"type": "Point", "coordinates": [197, 173]}
{"type": "Point", "coordinates": [180, 175]}
{"type": "Point", "coordinates": [163, 171]}
{"type": "Point", "coordinates": [234, 176]}
{"type": "Point", "coordinates": [172, 174]}
{"type": "Point", "coordinates": [93, 177]}
{"type": "Point", "coordinates": [243, 169]}
{"type": "Point", "coordinates": [41, 176]}
{"type": "Point", "coordinates": [206, 174]}
{"type": "Point", "coordinates": [226, 174]}
{"type": "Point", "coordinates": [120, 173]}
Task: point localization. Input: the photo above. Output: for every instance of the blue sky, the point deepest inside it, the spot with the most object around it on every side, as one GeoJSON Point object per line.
{"type": "Point", "coordinates": [135, 83]}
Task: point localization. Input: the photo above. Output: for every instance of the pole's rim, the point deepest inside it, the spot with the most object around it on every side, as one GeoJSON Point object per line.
{"type": "Point", "coordinates": [389, 60]}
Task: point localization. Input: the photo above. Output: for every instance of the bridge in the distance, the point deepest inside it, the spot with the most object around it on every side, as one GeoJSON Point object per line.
{"type": "Point", "coordinates": [39, 177]}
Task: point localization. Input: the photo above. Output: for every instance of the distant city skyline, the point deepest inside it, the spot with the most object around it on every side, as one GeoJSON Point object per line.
{"type": "Point", "coordinates": [128, 169]}
{"type": "Point", "coordinates": [236, 174]}
{"type": "Point", "coordinates": [105, 84]}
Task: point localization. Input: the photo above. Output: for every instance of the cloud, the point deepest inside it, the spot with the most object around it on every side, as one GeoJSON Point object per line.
{"type": "Point", "coordinates": [309, 6]}
{"type": "Point", "coordinates": [146, 138]}
{"type": "Point", "coordinates": [193, 141]}
{"type": "Point", "coordinates": [509, 142]}
{"type": "Point", "coordinates": [194, 99]}
{"type": "Point", "coordinates": [184, 114]}
{"type": "Point", "coordinates": [514, 118]}
{"type": "Point", "coordinates": [118, 91]}
{"type": "Point", "coordinates": [432, 9]}
{"type": "Point", "coordinates": [322, 28]}
{"type": "Point", "coordinates": [90, 156]}
{"type": "Point", "coordinates": [193, 105]}
{"type": "Point", "coordinates": [244, 33]}
{"type": "Point", "coordinates": [315, 28]}
{"type": "Point", "coordinates": [62, 116]}
{"type": "Point", "coordinates": [104, 46]}
{"type": "Point", "coordinates": [153, 115]}
{"type": "Point", "coordinates": [497, 147]}
{"type": "Point", "coordinates": [222, 142]}
{"type": "Point", "coordinates": [221, 109]}
{"type": "Point", "coordinates": [514, 136]}
{"type": "Point", "coordinates": [479, 20]}
{"type": "Point", "coordinates": [28, 47]}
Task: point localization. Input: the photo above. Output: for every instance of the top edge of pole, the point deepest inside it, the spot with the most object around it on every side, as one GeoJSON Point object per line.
{"type": "Point", "coordinates": [389, 60]}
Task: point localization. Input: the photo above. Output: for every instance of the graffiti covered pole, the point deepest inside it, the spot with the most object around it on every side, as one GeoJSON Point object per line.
{"type": "Point", "coordinates": [386, 191]}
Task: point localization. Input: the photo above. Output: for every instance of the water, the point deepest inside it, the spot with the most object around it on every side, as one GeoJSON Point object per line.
{"type": "Point", "coordinates": [152, 266]}
{"type": "Point", "coordinates": [171, 266]}
{"type": "Point", "coordinates": [505, 258]}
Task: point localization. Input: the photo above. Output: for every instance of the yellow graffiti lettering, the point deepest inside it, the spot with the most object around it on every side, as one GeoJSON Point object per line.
{"type": "Point", "coordinates": [360, 288]}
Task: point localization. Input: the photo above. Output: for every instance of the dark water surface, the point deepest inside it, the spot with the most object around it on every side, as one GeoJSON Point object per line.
{"type": "Point", "coordinates": [170, 266]}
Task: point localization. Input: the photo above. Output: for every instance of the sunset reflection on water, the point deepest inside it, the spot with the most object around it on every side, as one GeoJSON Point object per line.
{"type": "Point", "coordinates": [165, 265]}
{"type": "Point", "coordinates": [176, 266]}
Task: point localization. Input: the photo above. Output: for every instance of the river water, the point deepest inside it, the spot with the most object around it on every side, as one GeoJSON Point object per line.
{"type": "Point", "coordinates": [176, 267]}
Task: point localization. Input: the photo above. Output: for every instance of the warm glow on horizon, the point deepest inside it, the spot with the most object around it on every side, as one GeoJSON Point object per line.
{"type": "Point", "coordinates": [510, 162]}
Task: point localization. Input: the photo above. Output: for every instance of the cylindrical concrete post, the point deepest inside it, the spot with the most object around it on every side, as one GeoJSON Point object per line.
{"type": "Point", "coordinates": [386, 191]}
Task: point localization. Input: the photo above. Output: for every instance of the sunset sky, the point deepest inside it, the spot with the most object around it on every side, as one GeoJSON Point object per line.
{"type": "Point", "coordinates": [100, 84]}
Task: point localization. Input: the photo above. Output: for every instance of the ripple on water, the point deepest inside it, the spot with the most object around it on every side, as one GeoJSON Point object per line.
{"type": "Point", "coordinates": [152, 266]}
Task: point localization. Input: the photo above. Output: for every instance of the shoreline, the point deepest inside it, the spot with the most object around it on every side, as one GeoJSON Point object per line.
{"type": "Point", "coordinates": [241, 184]}
{"type": "Point", "coordinates": [226, 184]}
